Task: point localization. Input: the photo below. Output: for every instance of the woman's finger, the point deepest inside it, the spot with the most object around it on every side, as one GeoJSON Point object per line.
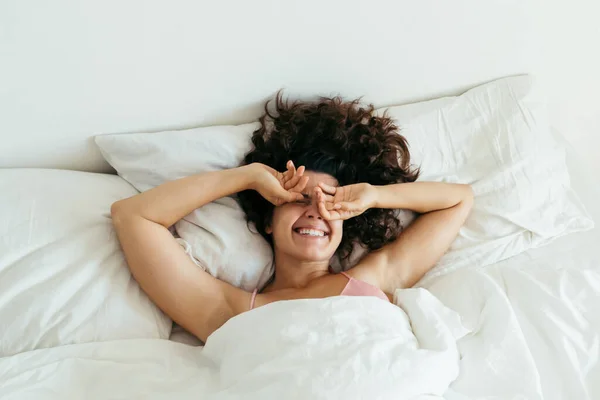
{"type": "Point", "coordinates": [326, 197]}
{"type": "Point", "coordinates": [286, 196]}
{"type": "Point", "coordinates": [323, 211]}
{"type": "Point", "coordinates": [322, 197]}
{"type": "Point", "coordinates": [295, 179]}
{"type": "Point", "coordinates": [332, 206]}
{"type": "Point", "coordinates": [327, 188]}
{"type": "Point", "coordinates": [290, 171]}
{"type": "Point", "coordinates": [289, 183]}
{"type": "Point", "coordinates": [289, 168]}
{"type": "Point", "coordinates": [301, 185]}
{"type": "Point", "coordinates": [296, 196]}
{"type": "Point", "coordinates": [326, 209]}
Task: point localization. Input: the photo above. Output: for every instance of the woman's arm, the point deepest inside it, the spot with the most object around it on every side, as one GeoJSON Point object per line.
{"type": "Point", "coordinates": [444, 208]}
{"type": "Point", "coordinates": [189, 295]}
{"type": "Point", "coordinates": [421, 197]}
{"type": "Point", "coordinates": [171, 201]}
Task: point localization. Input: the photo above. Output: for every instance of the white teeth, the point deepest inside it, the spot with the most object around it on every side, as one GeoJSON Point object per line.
{"type": "Point", "coordinates": [310, 232]}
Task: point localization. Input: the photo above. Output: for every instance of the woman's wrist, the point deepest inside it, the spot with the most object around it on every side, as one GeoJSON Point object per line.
{"type": "Point", "coordinates": [249, 175]}
{"type": "Point", "coordinates": [381, 198]}
{"type": "Point", "coordinates": [374, 196]}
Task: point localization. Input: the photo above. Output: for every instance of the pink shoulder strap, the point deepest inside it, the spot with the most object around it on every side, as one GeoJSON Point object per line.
{"type": "Point", "coordinates": [253, 298]}
{"type": "Point", "coordinates": [346, 275]}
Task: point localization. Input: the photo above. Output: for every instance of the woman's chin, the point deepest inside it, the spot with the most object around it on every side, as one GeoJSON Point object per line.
{"type": "Point", "coordinates": [313, 255]}
{"type": "Point", "coordinates": [310, 250]}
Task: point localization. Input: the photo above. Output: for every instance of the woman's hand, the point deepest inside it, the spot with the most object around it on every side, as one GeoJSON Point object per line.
{"type": "Point", "coordinates": [345, 202]}
{"type": "Point", "coordinates": [279, 187]}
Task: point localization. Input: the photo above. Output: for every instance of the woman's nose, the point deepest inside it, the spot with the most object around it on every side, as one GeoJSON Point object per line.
{"type": "Point", "coordinates": [312, 211]}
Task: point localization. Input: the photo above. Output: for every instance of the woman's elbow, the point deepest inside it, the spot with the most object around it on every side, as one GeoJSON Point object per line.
{"type": "Point", "coordinates": [469, 194]}
{"type": "Point", "coordinates": [117, 208]}
{"type": "Point", "coordinates": [119, 212]}
{"type": "Point", "coordinates": [468, 199]}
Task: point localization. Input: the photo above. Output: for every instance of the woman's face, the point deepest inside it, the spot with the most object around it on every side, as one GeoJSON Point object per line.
{"type": "Point", "coordinates": [299, 230]}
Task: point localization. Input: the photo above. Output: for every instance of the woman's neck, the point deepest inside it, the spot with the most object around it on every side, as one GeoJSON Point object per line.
{"type": "Point", "coordinates": [293, 273]}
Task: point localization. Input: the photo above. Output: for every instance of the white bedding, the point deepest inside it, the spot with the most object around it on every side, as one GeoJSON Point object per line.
{"type": "Point", "coordinates": [534, 322]}
{"type": "Point", "coordinates": [535, 318]}
{"type": "Point", "coordinates": [340, 347]}
{"type": "Point", "coordinates": [535, 335]}
{"type": "Point", "coordinates": [535, 327]}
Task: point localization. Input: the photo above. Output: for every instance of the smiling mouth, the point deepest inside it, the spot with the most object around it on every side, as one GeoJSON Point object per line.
{"type": "Point", "coordinates": [311, 232]}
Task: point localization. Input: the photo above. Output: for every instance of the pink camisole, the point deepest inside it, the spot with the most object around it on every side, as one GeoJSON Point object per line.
{"type": "Point", "coordinates": [354, 287]}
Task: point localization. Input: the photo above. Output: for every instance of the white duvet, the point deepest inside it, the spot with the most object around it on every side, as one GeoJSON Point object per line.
{"type": "Point", "coordinates": [335, 348]}
{"type": "Point", "coordinates": [534, 334]}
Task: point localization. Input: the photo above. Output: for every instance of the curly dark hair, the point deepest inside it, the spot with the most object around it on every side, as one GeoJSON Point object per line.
{"type": "Point", "coordinates": [343, 139]}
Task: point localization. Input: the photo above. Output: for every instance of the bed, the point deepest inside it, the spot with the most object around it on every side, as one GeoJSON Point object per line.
{"type": "Point", "coordinates": [529, 324]}
{"type": "Point", "coordinates": [534, 323]}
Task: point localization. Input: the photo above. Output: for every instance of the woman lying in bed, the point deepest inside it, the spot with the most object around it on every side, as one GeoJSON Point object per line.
{"type": "Point", "coordinates": [353, 171]}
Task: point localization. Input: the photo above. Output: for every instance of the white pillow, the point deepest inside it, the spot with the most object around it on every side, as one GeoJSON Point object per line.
{"type": "Point", "coordinates": [217, 233]}
{"type": "Point", "coordinates": [63, 278]}
{"type": "Point", "coordinates": [495, 137]}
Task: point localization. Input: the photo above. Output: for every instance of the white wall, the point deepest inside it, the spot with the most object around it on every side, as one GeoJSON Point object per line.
{"type": "Point", "coordinates": [569, 67]}
{"type": "Point", "coordinates": [71, 69]}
